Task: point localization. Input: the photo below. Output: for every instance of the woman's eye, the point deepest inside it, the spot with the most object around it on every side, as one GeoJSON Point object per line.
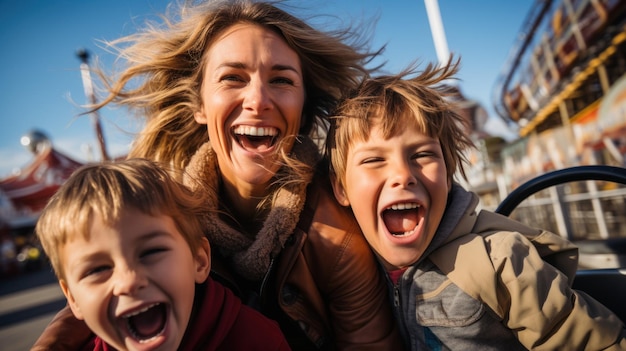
{"type": "Point", "coordinates": [282, 80]}
{"type": "Point", "coordinates": [231, 78]}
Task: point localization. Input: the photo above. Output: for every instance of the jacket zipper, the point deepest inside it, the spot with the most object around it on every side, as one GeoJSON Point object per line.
{"type": "Point", "coordinates": [396, 298]}
{"type": "Point", "coordinates": [397, 305]}
{"type": "Point", "coordinates": [266, 278]}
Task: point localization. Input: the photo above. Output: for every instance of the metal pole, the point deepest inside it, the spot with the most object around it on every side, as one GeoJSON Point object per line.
{"type": "Point", "coordinates": [83, 55]}
{"type": "Point", "coordinates": [437, 31]}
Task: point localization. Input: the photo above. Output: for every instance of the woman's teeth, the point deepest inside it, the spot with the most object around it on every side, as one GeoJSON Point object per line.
{"type": "Point", "coordinates": [255, 131]}
{"type": "Point", "coordinates": [257, 139]}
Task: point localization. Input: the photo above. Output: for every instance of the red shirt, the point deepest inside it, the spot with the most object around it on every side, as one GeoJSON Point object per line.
{"type": "Point", "coordinates": [220, 321]}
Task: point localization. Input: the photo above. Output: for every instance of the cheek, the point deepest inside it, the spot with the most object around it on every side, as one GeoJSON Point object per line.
{"type": "Point", "coordinates": [362, 183]}
{"type": "Point", "coordinates": [213, 129]}
{"type": "Point", "coordinates": [293, 107]}
{"type": "Point", "coordinates": [218, 128]}
{"type": "Point", "coordinates": [92, 304]}
{"type": "Point", "coordinates": [362, 195]}
{"type": "Point", "coordinates": [437, 175]}
{"type": "Point", "coordinates": [439, 189]}
{"type": "Point", "coordinates": [217, 103]}
{"type": "Point", "coordinates": [294, 123]}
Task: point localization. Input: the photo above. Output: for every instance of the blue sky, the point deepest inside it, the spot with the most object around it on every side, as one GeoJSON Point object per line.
{"type": "Point", "coordinates": [41, 86]}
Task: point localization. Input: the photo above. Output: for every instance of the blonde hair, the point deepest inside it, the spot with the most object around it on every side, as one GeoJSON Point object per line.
{"type": "Point", "coordinates": [107, 190]}
{"type": "Point", "coordinates": [390, 102]}
{"type": "Point", "coordinates": [168, 62]}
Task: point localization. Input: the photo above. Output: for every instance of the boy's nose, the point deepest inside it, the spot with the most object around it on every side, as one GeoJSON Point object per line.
{"type": "Point", "coordinates": [402, 175]}
{"type": "Point", "coordinates": [128, 281]}
{"type": "Point", "coordinates": [256, 97]}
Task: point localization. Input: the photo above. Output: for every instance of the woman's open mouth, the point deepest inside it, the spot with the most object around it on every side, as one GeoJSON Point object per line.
{"type": "Point", "coordinates": [258, 139]}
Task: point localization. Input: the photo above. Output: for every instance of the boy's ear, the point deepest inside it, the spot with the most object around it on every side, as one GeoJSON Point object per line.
{"type": "Point", "coordinates": [203, 261]}
{"type": "Point", "coordinates": [339, 191]}
{"type": "Point", "coordinates": [70, 300]}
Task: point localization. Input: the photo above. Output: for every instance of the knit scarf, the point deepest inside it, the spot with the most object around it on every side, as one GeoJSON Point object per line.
{"type": "Point", "coordinates": [250, 257]}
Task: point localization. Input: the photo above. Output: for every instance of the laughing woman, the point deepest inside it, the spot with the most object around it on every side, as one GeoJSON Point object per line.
{"type": "Point", "coordinates": [231, 92]}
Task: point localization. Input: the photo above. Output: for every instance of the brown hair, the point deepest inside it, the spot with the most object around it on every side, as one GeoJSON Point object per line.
{"type": "Point", "coordinates": [390, 102]}
{"type": "Point", "coordinates": [168, 61]}
{"type": "Point", "coordinates": [107, 190]}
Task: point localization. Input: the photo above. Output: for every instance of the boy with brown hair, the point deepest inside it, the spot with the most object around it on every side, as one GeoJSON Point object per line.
{"type": "Point", "coordinates": [461, 279]}
{"type": "Point", "coordinates": [127, 246]}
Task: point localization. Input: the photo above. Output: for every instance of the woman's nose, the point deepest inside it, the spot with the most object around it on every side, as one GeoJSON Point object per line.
{"type": "Point", "coordinates": [128, 281]}
{"type": "Point", "coordinates": [257, 97]}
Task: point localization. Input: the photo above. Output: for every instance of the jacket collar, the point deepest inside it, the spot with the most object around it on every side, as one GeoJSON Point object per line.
{"type": "Point", "coordinates": [459, 215]}
{"type": "Point", "coordinates": [250, 257]}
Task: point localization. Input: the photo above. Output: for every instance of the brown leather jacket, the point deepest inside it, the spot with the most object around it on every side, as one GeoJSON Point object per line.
{"type": "Point", "coordinates": [326, 282]}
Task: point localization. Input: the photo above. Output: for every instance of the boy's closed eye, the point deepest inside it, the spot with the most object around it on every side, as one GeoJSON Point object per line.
{"type": "Point", "coordinates": [95, 272]}
{"type": "Point", "coordinates": [425, 156]}
{"type": "Point", "coordinates": [98, 271]}
{"type": "Point", "coordinates": [372, 160]}
{"type": "Point", "coordinates": [419, 156]}
{"type": "Point", "coordinates": [153, 254]}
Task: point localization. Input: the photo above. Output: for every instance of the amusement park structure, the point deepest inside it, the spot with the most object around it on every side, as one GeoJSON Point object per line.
{"type": "Point", "coordinates": [563, 89]}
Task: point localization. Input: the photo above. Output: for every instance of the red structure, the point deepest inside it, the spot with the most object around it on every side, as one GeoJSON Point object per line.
{"type": "Point", "coordinates": [29, 191]}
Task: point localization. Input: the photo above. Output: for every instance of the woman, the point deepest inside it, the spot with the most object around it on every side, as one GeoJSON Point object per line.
{"type": "Point", "coordinates": [259, 81]}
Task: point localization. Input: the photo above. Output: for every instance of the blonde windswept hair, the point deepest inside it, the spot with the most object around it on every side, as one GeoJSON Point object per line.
{"type": "Point", "coordinates": [108, 190]}
{"type": "Point", "coordinates": [391, 101]}
{"type": "Point", "coordinates": [165, 66]}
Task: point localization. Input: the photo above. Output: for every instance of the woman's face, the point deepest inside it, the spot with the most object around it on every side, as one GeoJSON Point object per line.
{"type": "Point", "coordinates": [252, 100]}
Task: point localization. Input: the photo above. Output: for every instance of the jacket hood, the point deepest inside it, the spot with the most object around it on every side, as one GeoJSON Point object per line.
{"type": "Point", "coordinates": [460, 214]}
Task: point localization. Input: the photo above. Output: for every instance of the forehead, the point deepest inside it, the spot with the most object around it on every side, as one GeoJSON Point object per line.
{"type": "Point", "coordinates": [130, 224]}
{"type": "Point", "coordinates": [387, 124]}
{"type": "Point", "coordinates": [380, 131]}
{"type": "Point", "coordinates": [253, 41]}
{"type": "Point", "coordinates": [409, 130]}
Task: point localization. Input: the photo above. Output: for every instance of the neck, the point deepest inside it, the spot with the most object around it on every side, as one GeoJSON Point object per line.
{"type": "Point", "coordinates": [243, 200]}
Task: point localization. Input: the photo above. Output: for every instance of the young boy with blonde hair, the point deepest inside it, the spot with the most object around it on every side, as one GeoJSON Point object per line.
{"type": "Point", "coordinates": [461, 279]}
{"type": "Point", "coordinates": [127, 246]}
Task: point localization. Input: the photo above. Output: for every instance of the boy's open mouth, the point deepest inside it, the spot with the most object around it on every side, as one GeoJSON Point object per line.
{"type": "Point", "coordinates": [255, 138]}
{"type": "Point", "coordinates": [402, 219]}
{"type": "Point", "coordinates": [148, 323]}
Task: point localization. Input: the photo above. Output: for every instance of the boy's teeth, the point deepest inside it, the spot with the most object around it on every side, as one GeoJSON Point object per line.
{"type": "Point", "coordinates": [148, 323]}
{"type": "Point", "coordinates": [139, 311]}
{"type": "Point", "coordinates": [401, 219]}
{"type": "Point", "coordinates": [255, 131]}
{"type": "Point", "coordinates": [403, 206]}
{"type": "Point", "coordinates": [402, 234]}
